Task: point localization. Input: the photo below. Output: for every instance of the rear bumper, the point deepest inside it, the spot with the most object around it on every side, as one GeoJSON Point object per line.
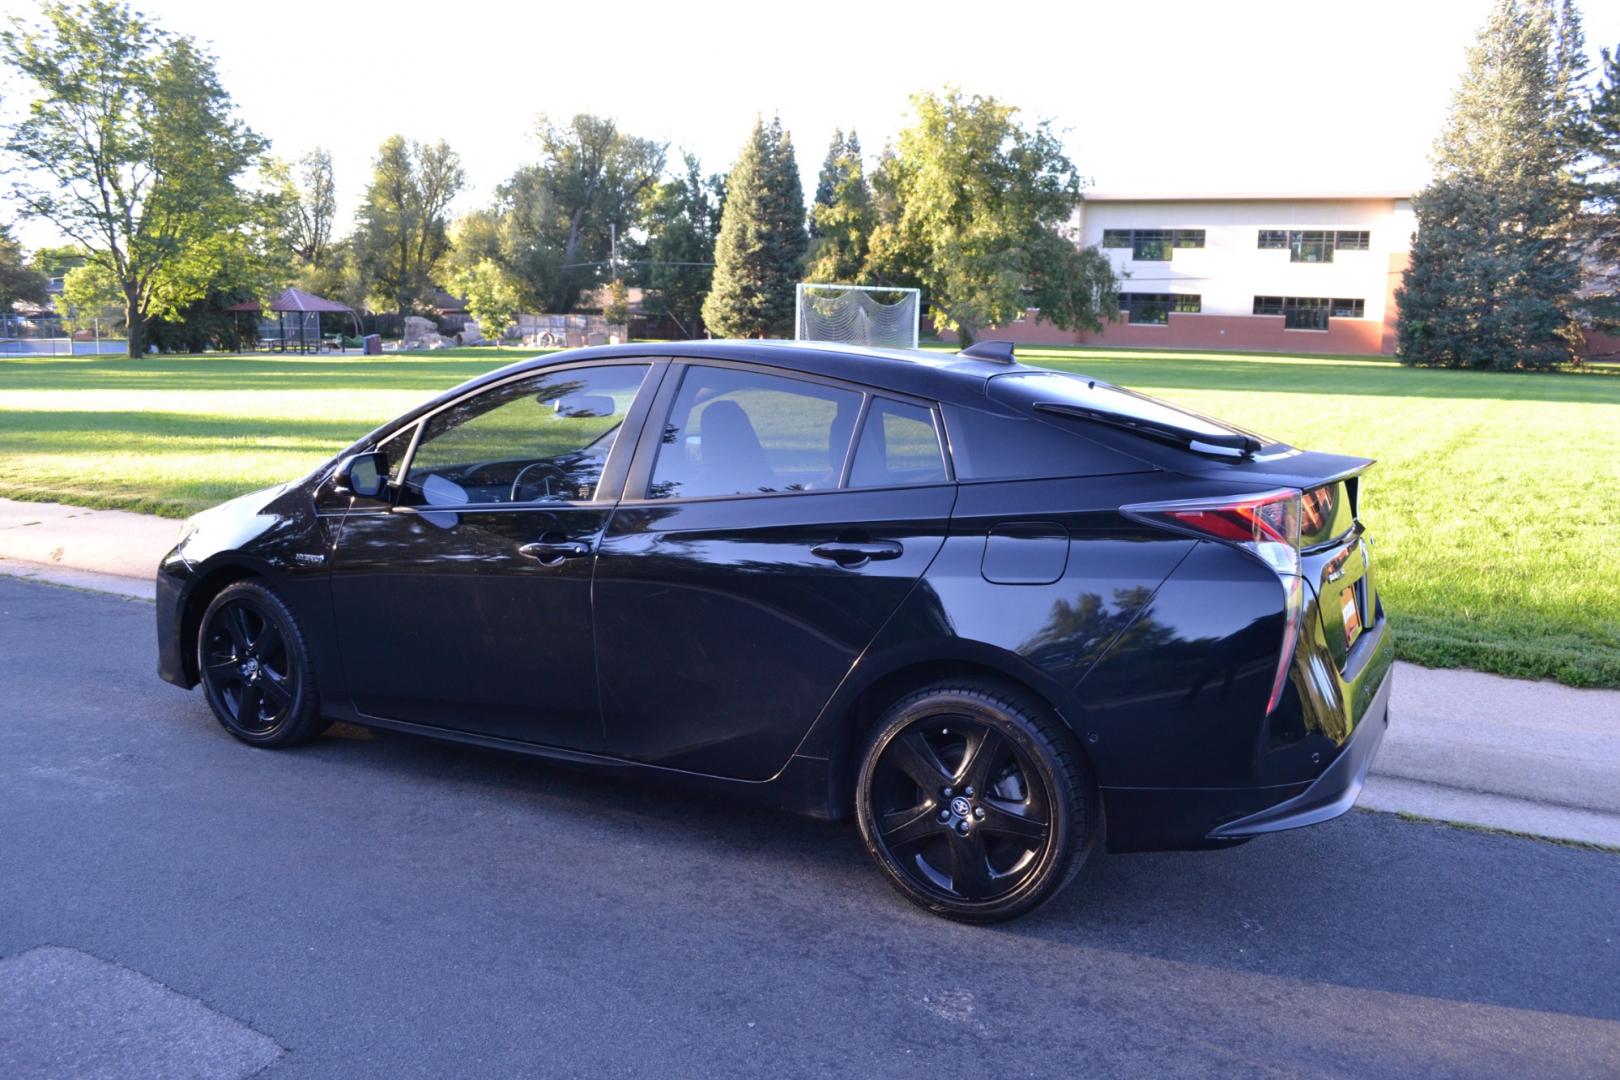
{"type": "Point", "coordinates": [1331, 794]}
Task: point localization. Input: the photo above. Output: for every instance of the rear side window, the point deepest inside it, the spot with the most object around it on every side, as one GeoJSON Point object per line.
{"type": "Point", "coordinates": [991, 446]}
{"type": "Point", "coordinates": [733, 432]}
{"type": "Point", "coordinates": [898, 446]}
{"type": "Point", "coordinates": [1056, 388]}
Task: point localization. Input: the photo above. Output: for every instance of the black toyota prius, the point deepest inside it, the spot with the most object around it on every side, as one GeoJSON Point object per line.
{"type": "Point", "coordinates": [997, 613]}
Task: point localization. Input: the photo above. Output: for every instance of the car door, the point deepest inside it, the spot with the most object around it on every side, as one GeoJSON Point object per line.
{"type": "Point", "coordinates": [465, 602]}
{"type": "Point", "coordinates": [763, 548]}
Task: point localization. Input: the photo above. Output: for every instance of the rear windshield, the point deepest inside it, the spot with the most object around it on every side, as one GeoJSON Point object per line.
{"type": "Point", "coordinates": [1033, 388]}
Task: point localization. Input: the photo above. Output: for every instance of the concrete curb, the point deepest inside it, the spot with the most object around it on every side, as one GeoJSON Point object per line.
{"type": "Point", "coordinates": [134, 588]}
{"type": "Point", "coordinates": [1463, 746]}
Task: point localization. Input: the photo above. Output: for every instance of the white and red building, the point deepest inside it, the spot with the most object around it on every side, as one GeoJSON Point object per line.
{"type": "Point", "coordinates": [1273, 273]}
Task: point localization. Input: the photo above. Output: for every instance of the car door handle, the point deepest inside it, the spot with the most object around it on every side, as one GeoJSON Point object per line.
{"type": "Point", "coordinates": [555, 551]}
{"type": "Point", "coordinates": [857, 552]}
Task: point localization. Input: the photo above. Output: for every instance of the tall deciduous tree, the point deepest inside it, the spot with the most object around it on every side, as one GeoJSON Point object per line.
{"type": "Point", "coordinates": [130, 145]}
{"type": "Point", "coordinates": [588, 188]}
{"type": "Point", "coordinates": [19, 279]}
{"type": "Point", "coordinates": [307, 195]}
{"type": "Point", "coordinates": [979, 211]}
{"type": "Point", "coordinates": [1494, 265]}
{"type": "Point", "coordinates": [403, 235]}
{"type": "Point", "coordinates": [682, 221]}
{"type": "Point", "coordinates": [842, 216]}
{"type": "Point", "coordinates": [759, 255]}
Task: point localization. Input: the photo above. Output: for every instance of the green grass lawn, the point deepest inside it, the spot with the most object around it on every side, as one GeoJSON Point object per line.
{"type": "Point", "coordinates": [1493, 507]}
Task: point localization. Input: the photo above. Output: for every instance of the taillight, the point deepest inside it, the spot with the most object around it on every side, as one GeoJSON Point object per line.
{"type": "Point", "coordinates": [1266, 525]}
{"type": "Point", "coordinates": [1296, 604]}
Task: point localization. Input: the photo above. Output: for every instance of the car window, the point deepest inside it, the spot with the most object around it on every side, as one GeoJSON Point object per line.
{"type": "Point", "coordinates": [1025, 388]}
{"type": "Point", "coordinates": [397, 446]}
{"type": "Point", "coordinates": [734, 432]}
{"type": "Point", "coordinates": [898, 445]}
{"type": "Point", "coordinates": [991, 446]}
{"type": "Point", "coordinates": [543, 439]}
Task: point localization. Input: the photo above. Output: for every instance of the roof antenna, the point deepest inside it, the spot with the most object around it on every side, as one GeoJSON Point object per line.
{"type": "Point", "coordinates": [997, 352]}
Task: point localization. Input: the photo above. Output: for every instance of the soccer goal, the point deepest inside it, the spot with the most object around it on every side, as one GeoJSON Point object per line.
{"type": "Point", "coordinates": [857, 315]}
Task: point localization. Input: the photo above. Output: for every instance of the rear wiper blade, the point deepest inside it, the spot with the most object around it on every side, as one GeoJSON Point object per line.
{"type": "Point", "coordinates": [1230, 444]}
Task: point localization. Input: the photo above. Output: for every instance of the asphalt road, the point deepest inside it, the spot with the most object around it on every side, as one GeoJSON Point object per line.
{"type": "Point", "coordinates": [173, 901]}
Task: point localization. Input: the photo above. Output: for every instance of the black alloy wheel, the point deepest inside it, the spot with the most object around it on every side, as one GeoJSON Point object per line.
{"type": "Point", "coordinates": [974, 802]}
{"type": "Point", "coordinates": [255, 669]}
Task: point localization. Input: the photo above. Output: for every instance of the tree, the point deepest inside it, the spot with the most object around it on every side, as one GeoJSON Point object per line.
{"type": "Point", "coordinates": [130, 146]}
{"type": "Point", "coordinates": [842, 217]}
{"type": "Point", "coordinates": [19, 279]}
{"type": "Point", "coordinates": [1494, 266]}
{"type": "Point", "coordinates": [402, 235]}
{"type": "Point", "coordinates": [978, 211]}
{"type": "Point", "coordinates": [616, 311]}
{"type": "Point", "coordinates": [491, 299]}
{"type": "Point", "coordinates": [759, 254]}
{"type": "Point", "coordinates": [90, 293]}
{"type": "Point", "coordinates": [682, 220]}
{"type": "Point", "coordinates": [308, 205]}
{"type": "Point", "coordinates": [1600, 226]}
{"type": "Point", "coordinates": [54, 262]}
{"type": "Point", "coordinates": [827, 180]}
{"type": "Point", "coordinates": [588, 189]}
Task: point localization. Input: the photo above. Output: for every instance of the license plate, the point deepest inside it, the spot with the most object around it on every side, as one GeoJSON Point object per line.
{"type": "Point", "coordinates": [1352, 615]}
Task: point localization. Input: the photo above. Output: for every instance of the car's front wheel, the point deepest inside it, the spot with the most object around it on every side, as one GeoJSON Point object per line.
{"type": "Point", "coordinates": [975, 802]}
{"type": "Point", "coordinates": [255, 668]}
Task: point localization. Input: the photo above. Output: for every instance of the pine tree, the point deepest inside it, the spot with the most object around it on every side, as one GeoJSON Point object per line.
{"type": "Point", "coordinates": [1600, 226]}
{"type": "Point", "coordinates": [827, 181]}
{"type": "Point", "coordinates": [842, 219]}
{"type": "Point", "coordinates": [1493, 270]}
{"type": "Point", "coordinates": [759, 255]}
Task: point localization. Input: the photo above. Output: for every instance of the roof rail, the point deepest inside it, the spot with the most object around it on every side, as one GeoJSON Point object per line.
{"type": "Point", "coordinates": [997, 352]}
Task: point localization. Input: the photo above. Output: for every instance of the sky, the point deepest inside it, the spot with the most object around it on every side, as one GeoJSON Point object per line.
{"type": "Point", "coordinates": [1236, 95]}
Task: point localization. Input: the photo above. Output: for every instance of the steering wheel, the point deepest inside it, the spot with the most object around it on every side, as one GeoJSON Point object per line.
{"type": "Point", "coordinates": [545, 482]}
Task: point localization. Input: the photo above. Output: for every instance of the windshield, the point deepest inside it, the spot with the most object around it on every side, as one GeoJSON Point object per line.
{"type": "Point", "coordinates": [1057, 392]}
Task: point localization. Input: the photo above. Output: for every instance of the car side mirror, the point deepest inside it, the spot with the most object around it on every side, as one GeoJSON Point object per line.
{"type": "Point", "coordinates": [365, 475]}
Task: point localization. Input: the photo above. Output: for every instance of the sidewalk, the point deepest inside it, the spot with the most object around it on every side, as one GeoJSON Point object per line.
{"type": "Point", "coordinates": [1463, 746]}
{"type": "Point", "coordinates": [72, 545]}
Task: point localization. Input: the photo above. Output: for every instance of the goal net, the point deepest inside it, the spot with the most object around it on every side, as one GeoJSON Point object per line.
{"type": "Point", "coordinates": [857, 315]}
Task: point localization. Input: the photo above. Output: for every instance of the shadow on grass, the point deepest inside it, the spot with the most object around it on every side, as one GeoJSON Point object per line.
{"type": "Point", "coordinates": [132, 431]}
{"type": "Point", "coordinates": [184, 374]}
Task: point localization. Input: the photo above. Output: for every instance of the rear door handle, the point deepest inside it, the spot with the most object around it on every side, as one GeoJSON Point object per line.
{"type": "Point", "coordinates": [555, 551]}
{"type": "Point", "coordinates": [857, 552]}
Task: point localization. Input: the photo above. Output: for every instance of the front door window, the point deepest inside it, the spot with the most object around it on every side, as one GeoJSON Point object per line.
{"type": "Point", "coordinates": [538, 440]}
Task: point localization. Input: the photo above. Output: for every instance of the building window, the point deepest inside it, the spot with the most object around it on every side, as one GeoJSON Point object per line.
{"type": "Point", "coordinates": [1152, 245]}
{"type": "Point", "coordinates": [1309, 312]}
{"type": "Point", "coordinates": [1313, 245]}
{"type": "Point", "coordinates": [1310, 246]}
{"type": "Point", "coordinates": [1154, 308]}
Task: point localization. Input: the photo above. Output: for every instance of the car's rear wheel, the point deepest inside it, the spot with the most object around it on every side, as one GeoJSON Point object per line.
{"type": "Point", "coordinates": [975, 801]}
{"type": "Point", "coordinates": [255, 668]}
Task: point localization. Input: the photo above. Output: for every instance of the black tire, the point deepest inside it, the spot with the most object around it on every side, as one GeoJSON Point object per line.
{"type": "Point", "coordinates": [255, 668]}
{"type": "Point", "coordinates": [1000, 851]}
